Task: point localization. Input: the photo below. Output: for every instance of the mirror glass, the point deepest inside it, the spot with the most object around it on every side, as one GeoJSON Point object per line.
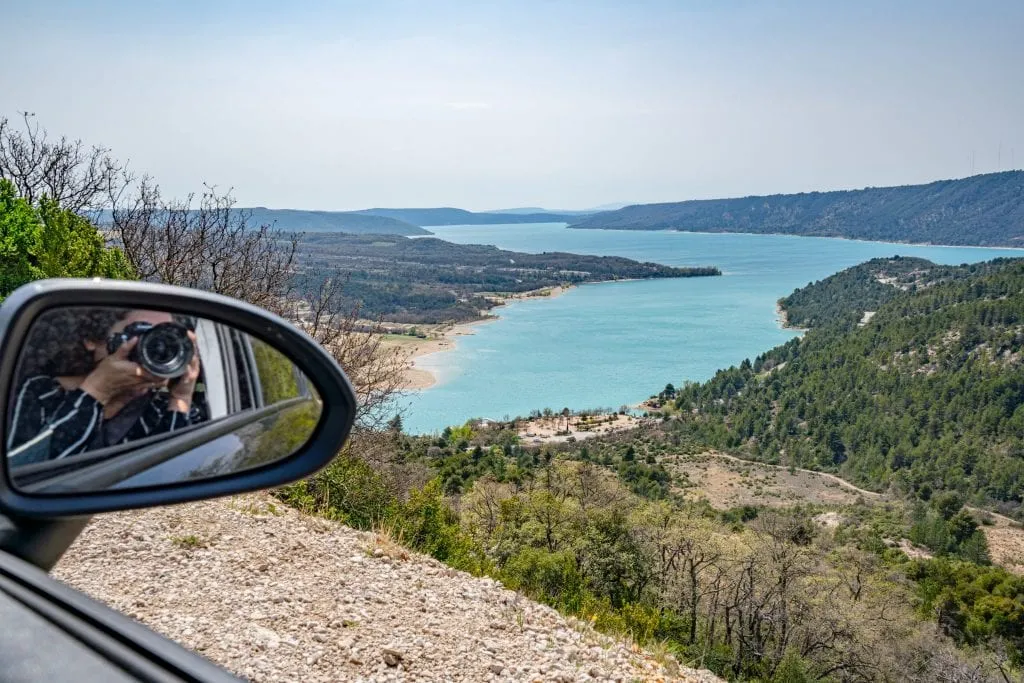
{"type": "Point", "coordinates": [114, 398]}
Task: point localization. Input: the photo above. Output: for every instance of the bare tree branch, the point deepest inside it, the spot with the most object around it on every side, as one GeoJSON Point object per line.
{"type": "Point", "coordinates": [77, 177]}
{"type": "Point", "coordinates": [206, 245]}
{"type": "Point", "coordinates": [375, 369]}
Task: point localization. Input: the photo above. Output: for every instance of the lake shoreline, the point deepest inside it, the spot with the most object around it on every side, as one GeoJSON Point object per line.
{"type": "Point", "coordinates": [783, 318]}
{"type": "Point", "coordinates": [416, 378]}
{"type": "Point", "coordinates": [445, 337]}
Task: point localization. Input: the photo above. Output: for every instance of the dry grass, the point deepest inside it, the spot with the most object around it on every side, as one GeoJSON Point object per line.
{"type": "Point", "coordinates": [912, 551]}
{"type": "Point", "coordinates": [387, 542]}
{"type": "Point", "coordinates": [662, 653]}
{"type": "Point", "coordinates": [1005, 543]}
{"type": "Point", "coordinates": [727, 483]}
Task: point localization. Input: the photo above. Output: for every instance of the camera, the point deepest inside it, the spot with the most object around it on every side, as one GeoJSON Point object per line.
{"type": "Point", "coordinates": [163, 350]}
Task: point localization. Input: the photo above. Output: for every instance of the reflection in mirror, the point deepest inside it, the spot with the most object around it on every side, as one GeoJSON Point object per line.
{"type": "Point", "coordinates": [121, 398]}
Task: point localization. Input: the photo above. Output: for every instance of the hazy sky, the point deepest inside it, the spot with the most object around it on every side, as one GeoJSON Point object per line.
{"type": "Point", "coordinates": [345, 105]}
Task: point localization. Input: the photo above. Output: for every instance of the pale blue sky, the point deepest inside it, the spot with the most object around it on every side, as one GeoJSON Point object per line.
{"type": "Point", "coordinates": [345, 105]}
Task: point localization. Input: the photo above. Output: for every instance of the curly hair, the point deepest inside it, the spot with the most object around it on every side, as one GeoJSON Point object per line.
{"type": "Point", "coordinates": [55, 347]}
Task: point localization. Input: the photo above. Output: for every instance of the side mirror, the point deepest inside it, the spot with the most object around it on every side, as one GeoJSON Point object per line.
{"type": "Point", "coordinates": [117, 395]}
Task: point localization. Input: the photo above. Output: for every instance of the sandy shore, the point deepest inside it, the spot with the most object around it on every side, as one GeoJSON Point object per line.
{"type": "Point", "coordinates": [442, 338]}
{"type": "Point", "coordinates": [784, 320]}
{"type": "Point", "coordinates": [546, 293]}
{"type": "Point", "coordinates": [781, 314]}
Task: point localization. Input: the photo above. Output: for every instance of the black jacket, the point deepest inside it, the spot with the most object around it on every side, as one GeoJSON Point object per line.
{"type": "Point", "coordinates": [49, 422]}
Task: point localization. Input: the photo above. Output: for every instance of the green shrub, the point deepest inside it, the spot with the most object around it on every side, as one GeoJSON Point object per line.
{"type": "Point", "coordinates": [352, 492]}
{"type": "Point", "coordinates": [430, 526]}
{"type": "Point", "coordinates": [642, 621]}
{"type": "Point", "coordinates": [973, 604]}
{"type": "Point", "coordinates": [47, 241]}
{"type": "Point", "coordinates": [551, 577]}
{"type": "Point", "coordinates": [792, 669]}
{"type": "Point", "coordinates": [348, 490]}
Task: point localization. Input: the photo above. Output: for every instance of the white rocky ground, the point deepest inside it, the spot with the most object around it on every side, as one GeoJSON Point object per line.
{"type": "Point", "coordinates": [274, 595]}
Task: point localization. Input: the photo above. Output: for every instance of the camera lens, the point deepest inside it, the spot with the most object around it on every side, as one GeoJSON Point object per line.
{"type": "Point", "coordinates": [165, 350]}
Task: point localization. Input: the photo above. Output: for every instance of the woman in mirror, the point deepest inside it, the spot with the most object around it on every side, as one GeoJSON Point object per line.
{"type": "Point", "coordinates": [81, 391]}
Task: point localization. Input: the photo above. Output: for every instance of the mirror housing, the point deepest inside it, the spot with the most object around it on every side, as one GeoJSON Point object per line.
{"type": "Point", "coordinates": [25, 305]}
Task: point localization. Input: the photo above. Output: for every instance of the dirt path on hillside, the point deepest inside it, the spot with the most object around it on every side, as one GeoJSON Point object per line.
{"type": "Point", "coordinates": [825, 475]}
{"type": "Point", "coordinates": [1004, 535]}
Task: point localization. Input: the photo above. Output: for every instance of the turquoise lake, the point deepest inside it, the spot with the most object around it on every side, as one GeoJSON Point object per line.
{"type": "Point", "coordinates": [605, 345]}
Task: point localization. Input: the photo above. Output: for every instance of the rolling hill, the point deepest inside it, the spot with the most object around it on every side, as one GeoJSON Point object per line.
{"type": "Point", "coordinates": [984, 210]}
{"type": "Point", "coordinates": [298, 220]}
{"type": "Point", "coordinates": [536, 209]}
{"type": "Point", "coordinates": [849, 294]}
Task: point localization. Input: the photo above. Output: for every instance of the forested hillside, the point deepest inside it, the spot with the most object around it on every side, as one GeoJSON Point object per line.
{"type": "Point", "coordinates": [979, 210]}
{"type": "Point", "coordinates": [849, 294]}
{"type": "Point", "coordinates": [427, 280]}
{"type": "Point", "coordinates": [928, 395]}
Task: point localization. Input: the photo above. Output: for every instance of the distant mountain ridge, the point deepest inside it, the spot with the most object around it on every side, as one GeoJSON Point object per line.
{"type": "Point", "coordinates": [982, 210]}
{"type": "Point", "coordinates": [451, 216]}
{"type": "Point", "coordinates": [299, 220]}
{"type": "Point", "coordinates": [353, 222]}
{"type": "Point", "coordinates": [526, 210]}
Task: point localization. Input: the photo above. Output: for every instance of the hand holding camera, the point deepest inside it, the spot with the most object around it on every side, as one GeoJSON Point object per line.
{"type": "Point", "coordinates": [117, 375]}
{"type": "Point", "coordinates": [145, 356]}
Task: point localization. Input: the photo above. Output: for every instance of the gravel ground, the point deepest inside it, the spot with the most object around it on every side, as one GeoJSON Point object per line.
{"type": "Point", "coordinates": [274, 595]}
